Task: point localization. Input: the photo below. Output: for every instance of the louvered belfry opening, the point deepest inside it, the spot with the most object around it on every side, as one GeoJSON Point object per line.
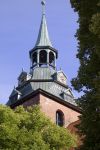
{"type": "Point", "coordinates": [34, 58]}
{"type": "Point", "coordinates": [51, 58]}
{"type": "Point", "coordinates": [43, 57]}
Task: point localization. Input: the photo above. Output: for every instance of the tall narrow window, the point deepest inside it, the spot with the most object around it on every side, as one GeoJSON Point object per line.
{"type": "Point", "coordinates": [59, 118]}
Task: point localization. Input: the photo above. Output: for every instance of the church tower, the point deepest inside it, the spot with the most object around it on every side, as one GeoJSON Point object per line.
{"type": "Point", "coordinates": [43, 54]}
{"type": "Point", "coordinates": [44, 85]}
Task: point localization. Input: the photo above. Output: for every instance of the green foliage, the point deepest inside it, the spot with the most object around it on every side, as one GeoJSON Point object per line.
{"type": "Point", "coordinates": [88, 78]}
{"type": "Point", "coordinates": [30, 130]}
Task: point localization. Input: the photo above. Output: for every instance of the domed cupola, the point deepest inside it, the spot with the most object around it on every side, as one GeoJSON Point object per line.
{"type": "Point", "coordinates": [43, 54]}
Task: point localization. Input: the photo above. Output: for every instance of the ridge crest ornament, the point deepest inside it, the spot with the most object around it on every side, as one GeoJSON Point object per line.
{"type": "Point", "coordinates": [43, 6]}
{"type": "Point", "coordinates": [43, 2]}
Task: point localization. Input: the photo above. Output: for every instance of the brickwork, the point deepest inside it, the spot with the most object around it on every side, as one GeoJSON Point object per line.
{"type": "Point", "coordinates": [49, 107]}
{"type": "Point", "coordinates": [33, 101]}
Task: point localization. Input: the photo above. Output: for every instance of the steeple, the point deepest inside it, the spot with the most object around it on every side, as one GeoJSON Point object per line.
{"type": "Point", "coordinates": [43, 54]}
{"type": "Point", "coordinates": [43, 36]}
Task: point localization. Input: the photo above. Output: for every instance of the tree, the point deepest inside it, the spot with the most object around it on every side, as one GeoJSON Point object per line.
{"type": "Point", "coordinates": [30, 129]}
{"type": "Point", "coordinates": [88, 78]}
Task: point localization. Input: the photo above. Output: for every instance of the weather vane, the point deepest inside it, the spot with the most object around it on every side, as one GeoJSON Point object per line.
{"type": "Point", "coordinates": [43, 7]}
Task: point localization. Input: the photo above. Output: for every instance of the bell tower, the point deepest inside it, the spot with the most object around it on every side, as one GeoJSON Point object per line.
{"type": "Point", "coordinates": [43, 54]}
{"type": "Point", "coordinates": [45, 85]}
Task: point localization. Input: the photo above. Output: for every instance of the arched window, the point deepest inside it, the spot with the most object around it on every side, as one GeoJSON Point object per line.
{"type": "Point", "coordinates": [34, 58]}
{"type": "Point", "coordinates": [51, 58]}
{"type": "Point", "coordinates": [43, 56]}
{"type": "Point", "coordinates": [59, 118]}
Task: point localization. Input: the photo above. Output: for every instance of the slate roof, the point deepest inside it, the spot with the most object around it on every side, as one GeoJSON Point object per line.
{"type": "Point", "coordinates": [43, 78]}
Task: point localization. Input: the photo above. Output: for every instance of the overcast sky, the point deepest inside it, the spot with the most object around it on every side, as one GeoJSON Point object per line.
{"type": "Point", "coordinates": [19, 26]}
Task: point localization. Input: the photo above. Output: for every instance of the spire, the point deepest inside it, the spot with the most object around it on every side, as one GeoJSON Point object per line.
{"type": "Point", "coordinates": [43, 36]}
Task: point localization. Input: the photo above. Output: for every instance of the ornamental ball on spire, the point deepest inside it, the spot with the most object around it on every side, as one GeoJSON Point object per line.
{"type": "Point", "coordinates": [43, 2]}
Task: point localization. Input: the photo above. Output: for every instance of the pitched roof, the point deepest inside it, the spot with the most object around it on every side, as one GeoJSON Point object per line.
{"type": "Point", "coordinates": [43, 78]}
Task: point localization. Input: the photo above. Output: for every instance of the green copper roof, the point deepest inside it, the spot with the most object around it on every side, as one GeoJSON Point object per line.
{"type": "Point", "coordinates": [43, 36]}
{"type": "Point", "coordinates": [45, 73]}
{"type": "Point", "coordinates": [48, 85]}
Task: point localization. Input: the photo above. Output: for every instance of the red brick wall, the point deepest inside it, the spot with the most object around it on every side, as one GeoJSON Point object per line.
{"type": "Point", "coordinates": [33, 101]}
{"type": "Point", "coordinates": [73, 129]}
{"type": "Point", "coordinates": [49, 107]}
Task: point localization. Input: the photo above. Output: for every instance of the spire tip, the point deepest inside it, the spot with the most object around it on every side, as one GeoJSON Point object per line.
{"type": "Point", "coordinates": [43, 2]}
{"type": "Point", "coordinates": [43, 7]}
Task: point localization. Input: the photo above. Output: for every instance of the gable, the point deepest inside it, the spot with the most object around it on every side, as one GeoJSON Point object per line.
{"type": "Point", "coordinates": [61, 77]}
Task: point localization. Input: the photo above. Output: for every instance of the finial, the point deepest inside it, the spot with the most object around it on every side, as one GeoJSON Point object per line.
{"type": "Point", "coordinates": [22, 70]}
{"type": "Point", "coordinates": [43, 7]}
{"type": "Point", "coordinates": [60, 68]}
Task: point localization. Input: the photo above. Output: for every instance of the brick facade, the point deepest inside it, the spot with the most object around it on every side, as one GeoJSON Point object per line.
{"type": "Point", "coordinates": [50, 107]}
{"type": "Point", "coordinates": [32, 101]}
